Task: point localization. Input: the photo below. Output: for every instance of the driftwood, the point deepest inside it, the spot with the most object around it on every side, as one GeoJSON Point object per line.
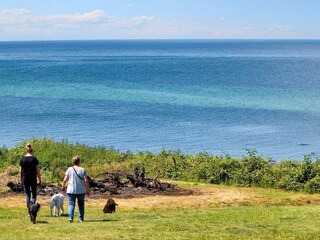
{"type": "Point", "coordinates": [127, 185]}
{"type": "Point", "coordinates": [15, 187]}
{"type": "Point", "coordinates": [120, 184]}
{"type": "Point", "coordinates": [44, 189]}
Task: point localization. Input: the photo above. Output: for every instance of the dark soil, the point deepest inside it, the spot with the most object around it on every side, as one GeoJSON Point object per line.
{"type": "Point", "coordinates": [117, 184]}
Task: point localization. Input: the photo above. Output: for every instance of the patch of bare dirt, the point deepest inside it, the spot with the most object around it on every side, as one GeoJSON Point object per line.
{"type": "Point", "coordinates": [197, 199]}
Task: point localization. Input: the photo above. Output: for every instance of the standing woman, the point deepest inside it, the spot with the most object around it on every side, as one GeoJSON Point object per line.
{"type": "Point", "coordinates": [29, 172]}
{"type": "Point", "coordinates": [78, 186]}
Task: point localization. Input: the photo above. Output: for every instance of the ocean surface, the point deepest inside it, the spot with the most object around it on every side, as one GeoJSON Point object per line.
{"type": "Point", "coordinates": [219, 96]}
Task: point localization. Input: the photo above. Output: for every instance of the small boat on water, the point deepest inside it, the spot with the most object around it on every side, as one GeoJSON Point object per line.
{"type": "Point", "coordinates": [303, 144]}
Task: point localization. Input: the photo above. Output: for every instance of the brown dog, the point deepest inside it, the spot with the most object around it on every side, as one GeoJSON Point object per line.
{"type": "Point", "coordinates": [110, 206]}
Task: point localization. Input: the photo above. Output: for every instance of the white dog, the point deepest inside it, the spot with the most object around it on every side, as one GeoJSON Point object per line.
{"type": "Point", "coordinates": [56, 202]}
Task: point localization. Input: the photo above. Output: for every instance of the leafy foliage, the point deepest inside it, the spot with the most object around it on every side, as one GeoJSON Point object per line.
{"type": "Point", "coordinates": [249, 170]}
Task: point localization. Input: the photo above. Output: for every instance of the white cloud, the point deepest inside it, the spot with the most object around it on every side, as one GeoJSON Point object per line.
{"type": "Point", "coordinates": [22, 23]}
{"type": "Point", "coordinates": [93, 16]}
{"type": "Point", "coordinates": [24, 16]}
{"type": "Point", "coordinates": [14, 16]}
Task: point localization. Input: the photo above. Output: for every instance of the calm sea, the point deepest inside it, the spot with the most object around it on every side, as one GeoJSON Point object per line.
{"type": "Point", "coordinates": [192, 95]}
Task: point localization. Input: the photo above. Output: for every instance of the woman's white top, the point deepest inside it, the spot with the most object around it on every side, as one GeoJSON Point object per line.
{"type": "Point", "coordinates": [75, 184]}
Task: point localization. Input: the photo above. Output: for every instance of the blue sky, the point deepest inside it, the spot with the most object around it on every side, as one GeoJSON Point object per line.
{"type": "Point", "coordinates": [159, 19]}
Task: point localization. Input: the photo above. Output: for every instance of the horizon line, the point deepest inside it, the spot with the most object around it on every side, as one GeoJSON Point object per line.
{"type": "Point", "coordinates": [167, 39]}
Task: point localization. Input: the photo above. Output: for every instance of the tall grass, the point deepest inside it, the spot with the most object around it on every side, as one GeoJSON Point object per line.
{"type": "Point", "coordinates": [249, 170]}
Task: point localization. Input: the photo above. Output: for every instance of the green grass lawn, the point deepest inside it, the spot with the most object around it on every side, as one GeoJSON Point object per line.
{"type": "Point", "coordinates": [244, 222]}
{"type": "Point", "coordinates": [281, 219]}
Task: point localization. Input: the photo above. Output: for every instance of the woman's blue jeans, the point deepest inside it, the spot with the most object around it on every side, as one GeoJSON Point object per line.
{"type": "Point", "coordinates": [30, 187]}
{"type": "Point", "coordinates": [72, 203]}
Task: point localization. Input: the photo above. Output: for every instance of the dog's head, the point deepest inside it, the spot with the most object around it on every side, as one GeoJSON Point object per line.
{"type": "Point", "coordinates": [34, 207]}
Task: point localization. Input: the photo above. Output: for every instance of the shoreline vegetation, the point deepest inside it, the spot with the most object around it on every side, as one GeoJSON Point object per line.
{"type": "Point", "coordinates": [250, 170]}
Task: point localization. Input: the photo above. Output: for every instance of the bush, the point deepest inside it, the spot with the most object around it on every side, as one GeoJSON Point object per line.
{"type": "Point", "coordinates": [250, 170]}
{"type": "Point", "coordinates": [253, 169]}
{"type": "Point", "coordinates": [288, 175]}
{"type": "Point", "coordinates": [313, 186]}
{"type": "Point", "coordinates": [224, 171]}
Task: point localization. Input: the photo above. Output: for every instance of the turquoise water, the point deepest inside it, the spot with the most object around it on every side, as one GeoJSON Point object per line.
{"type": "Point", "coordinates": [216, 96]}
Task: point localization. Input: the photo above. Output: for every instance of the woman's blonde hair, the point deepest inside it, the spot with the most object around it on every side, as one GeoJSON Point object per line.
{"type": "Point", "coordinates": [76, 160]}
{"type": "Point", "coordinates": [28, 148]}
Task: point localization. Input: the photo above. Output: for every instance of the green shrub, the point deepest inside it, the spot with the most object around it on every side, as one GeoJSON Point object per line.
{"type": "Point", "coordinates": [288, 175]}
{"type": "Point", "coordinates": [313, 186]}
{"type": "Point", "coordinates": [224, 171]}
{"type": "Point", "coordinates": [249, 170]}
{"type": "Point", "coordinates": [253, 169]}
